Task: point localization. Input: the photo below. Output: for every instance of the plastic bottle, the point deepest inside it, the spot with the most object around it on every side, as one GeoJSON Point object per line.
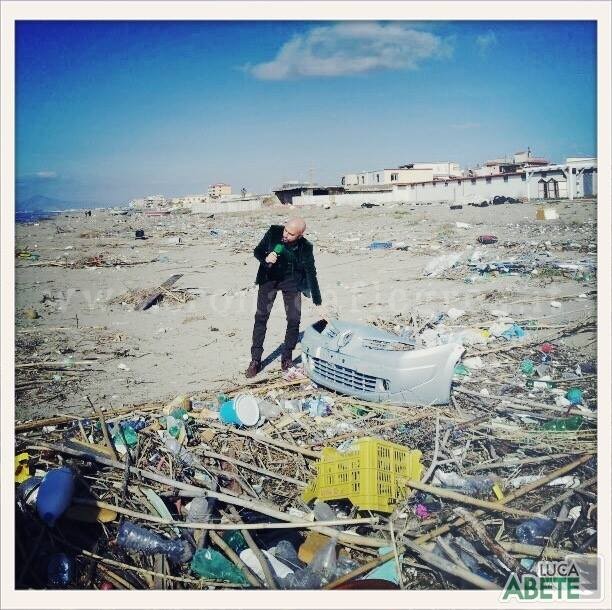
{"type": "Point", "coordinates": [235, 540]}
{"type": "Point", "coordinates": [129, 434]}
{"type": "Point", "coordinates": [563, 424]}
{"type": "Point", "coordinates": [180, 414]}
{"type": "Point", "coordinates": [132, 537]}
{"type": "Point", "coordinates": [60, 570]}
{"type": "Point", "coordinates": [55, 494]}
{"type": "Point", "coordinates": [173, 426]}
{"type": "Point", "coordinates": [285, 552]}
{"type": "Point", "coordinates": [210, 564]}
{"type": "Point", "coordinates": [323, 511]}
{"type": "Point", "coordinates": [27, 492]}
{"type": "Point", "coordinates": [319, 572]}
{"type": "Point", "coordinates": [199, 510]}
{"type": "Point", "coordinates": [534, 530]}
{"type": "Point", "coordinates": [183, 455]}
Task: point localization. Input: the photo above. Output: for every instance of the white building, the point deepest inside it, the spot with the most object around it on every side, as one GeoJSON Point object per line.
{"type": "Point", "coordinates": [150, 202]}
{"type": "Point", "coordinates": [518, 162]}
{"type": "Point", "coordinates": [219, 190]}
{"type": "Point", "coordinates": [404, 174]}
{"type": "Point", "coordinates": [576, 178]}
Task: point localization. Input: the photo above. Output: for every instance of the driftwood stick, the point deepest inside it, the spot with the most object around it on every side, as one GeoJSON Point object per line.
{"type": "Point", "coordinates": [481, 533]}
{"type": "Point", "coordinates": [451, 568]}
{"type": "Point", "coordinates": [534, 550]}
{"type": "Point", "coordinates": [263, 562]}
{"type": "Point", "coordinates": [448, 549]}
{"type": "Point", "coordinates": [268, 473]}
{"type": "Point", "coordinates": [517, 494]}
{"type": "Point", "coordinates": [569, 493]}
{"type": "Point", "coordinates": [231, 554]}
{"type": "Point", "coordinates": [527, 405]}
{"type": "Point", "coordinates": [223, 526]}
{"type": "Point", "coordinates": [511, 462]}
{"type": "Point", "coordinates": [363, 569]}
{"type": "Point", "coordinates": [260, 438]}
{"type": "Point", "coordinates": [434, 459]}
{"type": "Point", "coordinates": [107, 438]}
{"type": "Point", "coordinates": [457, 497]}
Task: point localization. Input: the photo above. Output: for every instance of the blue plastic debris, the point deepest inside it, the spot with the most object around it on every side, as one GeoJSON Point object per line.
{"type": "Point", "coordinates": [380, 245]}
{"type": "Point", "coordinates": [514, 332]}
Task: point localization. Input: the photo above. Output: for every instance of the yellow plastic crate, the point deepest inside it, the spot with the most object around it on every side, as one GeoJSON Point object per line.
{"type": "Point", "coordinates": [372, 476]}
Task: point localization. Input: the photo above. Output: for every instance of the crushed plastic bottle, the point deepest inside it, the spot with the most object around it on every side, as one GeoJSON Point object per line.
{"type": "Point", "coordinates": [183, 455]}
{"type": "Point", "coordinates": [132, 537]}
{"type": "Point", "coordinates": [199, 510]}
{"type": "Point", "coordinates": [212, 565]}
{"type": "Point", "coordinates": [563, 424]}
{"type": "Point", "coordinates": [323, 511]}
{"type": "Point", "coordinates": [318, 573]}
{"type": "Point", "coordinates": [55, 494]}
{"type": "Point", "coordinates": [126, 432]}
{"type": "Point", "coordinates": [60, 570]}
{"type": "Point", "coordinates": [173, 426]}
{"type": "Point", "coordinates": [534, 531]}
{"type": "Point", "coordinates": [235, 540]}
{"type": "Point", "coordinates": [475, 485]}
{"type": "Point", "coordinates": [285, 552]}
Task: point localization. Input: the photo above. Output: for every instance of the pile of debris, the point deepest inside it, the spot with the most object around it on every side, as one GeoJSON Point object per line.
{"type": "Point", "coordinates": [283, 484]}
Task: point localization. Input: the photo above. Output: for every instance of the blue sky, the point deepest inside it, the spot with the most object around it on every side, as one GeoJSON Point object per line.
{"type": "Point", "coordinates": [108, 111]}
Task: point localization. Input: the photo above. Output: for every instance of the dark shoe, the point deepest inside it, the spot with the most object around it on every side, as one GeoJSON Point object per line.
{"type": "Point", "coordinates": [253, 369]}
{"type": "Point", "coordinates": [286, 363]}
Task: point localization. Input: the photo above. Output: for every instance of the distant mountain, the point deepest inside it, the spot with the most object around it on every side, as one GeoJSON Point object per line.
{"type": "Point", "coordinates": [42, 203]}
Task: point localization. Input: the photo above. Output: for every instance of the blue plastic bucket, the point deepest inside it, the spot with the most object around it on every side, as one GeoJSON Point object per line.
{"type": "Point", "coordinates": [243, 410]}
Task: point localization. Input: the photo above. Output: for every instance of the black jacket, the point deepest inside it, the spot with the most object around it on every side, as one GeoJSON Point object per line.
{"type": "Point", "coordinates": [304, 261]}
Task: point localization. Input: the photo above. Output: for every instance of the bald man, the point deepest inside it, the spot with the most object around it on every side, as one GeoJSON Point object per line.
{"type": "Point", "coordinates": [292, 272]}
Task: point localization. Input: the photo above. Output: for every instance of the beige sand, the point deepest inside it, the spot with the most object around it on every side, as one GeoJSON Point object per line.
{"type": "Point", "coordinates": [203, 345]}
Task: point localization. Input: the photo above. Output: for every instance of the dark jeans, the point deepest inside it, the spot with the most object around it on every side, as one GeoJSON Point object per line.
{"type": "Point", "coordinates": [293, 309]}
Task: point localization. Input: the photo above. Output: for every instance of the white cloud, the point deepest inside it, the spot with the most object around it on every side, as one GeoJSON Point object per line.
{"type": "Point", "coordinates": [352, 48]}
{"type": "Point", "coordinates": [46, 175]}
{"type": "Point", "coordinates": [485, 41]}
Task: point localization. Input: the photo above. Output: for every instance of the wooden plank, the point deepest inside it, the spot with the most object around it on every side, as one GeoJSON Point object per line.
{"type": "Point", "coordinates": [149, 300]}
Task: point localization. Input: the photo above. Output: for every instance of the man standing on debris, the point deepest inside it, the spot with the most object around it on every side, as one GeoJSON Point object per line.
{"type": "Point", "coordinates": [286, 263]}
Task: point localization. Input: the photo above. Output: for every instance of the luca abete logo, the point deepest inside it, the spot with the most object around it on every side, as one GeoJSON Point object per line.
{"type": "Point", "coordinates": [552, 580]}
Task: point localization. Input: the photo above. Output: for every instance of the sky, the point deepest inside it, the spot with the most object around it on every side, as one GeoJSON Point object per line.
{"type": "Point", "coordinates": [109, 111]}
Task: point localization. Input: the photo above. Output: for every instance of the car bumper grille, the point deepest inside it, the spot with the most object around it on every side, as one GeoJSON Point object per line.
{"type": "Point", "coordinates": [347, 377]}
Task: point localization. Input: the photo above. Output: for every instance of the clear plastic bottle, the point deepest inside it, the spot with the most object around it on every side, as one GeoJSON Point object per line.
{"type": "Point", "coordinates": [285, 552]}
{"type": "Point", "coordinates": [183, 455]}
{"type": "Point", "coordinates": [55, 494]}
{"type": "Point", "coordinates": [199, 510]}
{"type": "Point", "coordinates": [534, 531]}
{"type": "Point", "coordinates": [318, 573]}
{"type": "Point", "coordinates": [323, 511]}
{"type": "Point", "coordinates": [132, 537]}
{"type": "Point", "coordinates": [60, 570]}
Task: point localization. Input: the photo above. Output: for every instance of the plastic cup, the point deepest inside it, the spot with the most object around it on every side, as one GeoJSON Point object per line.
{"type": "Point", "coordinates": [243, 410]}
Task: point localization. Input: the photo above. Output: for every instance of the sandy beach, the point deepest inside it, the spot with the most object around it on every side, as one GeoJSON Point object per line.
{"type": "Point", "coordinates": [88, 266]}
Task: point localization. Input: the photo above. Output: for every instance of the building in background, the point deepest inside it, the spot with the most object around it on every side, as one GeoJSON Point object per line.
{"type": "Point", "coordinates": [519, 161]}
{"type": "Point", "coordinates": [215, 191]}
{"type": "Point", "coordinates": [288, 190]}
{"type": "Point", "coordinates": [403, 174]}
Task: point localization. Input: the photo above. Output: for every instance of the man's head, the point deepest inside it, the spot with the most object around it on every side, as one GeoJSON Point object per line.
{"type": "Point", "coordinates": [293, 230]}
